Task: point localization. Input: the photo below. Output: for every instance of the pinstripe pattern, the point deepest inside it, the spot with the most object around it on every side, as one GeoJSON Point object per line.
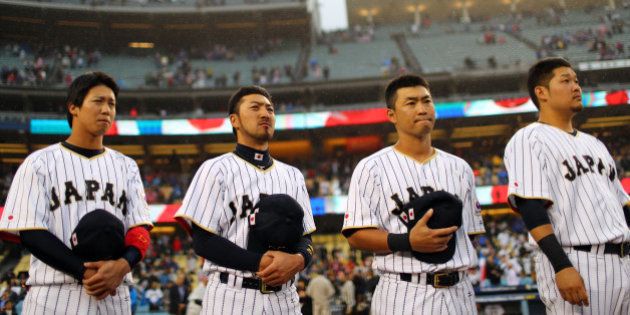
{"type": "Point", "coordinates": [226, 179]}
{"type": "Point", "coordinates": [215, 201]}
{"type": "Point", "coordinates": [72, 299]}
{"type": "Point", "coordinates": [229, 299]}
{"type": "Point", "coordinates": [578, 175]}
{"type": "Point", "coordinates": [586, 210]}
{"type": "Point", "coordinates": [388, 172]}
{"type": "Point", "coordinates": [606, 278]}
{"type": "Point", "coordinates": [37, 200]}
{"type": "Point", "coordinates": [393, 296]}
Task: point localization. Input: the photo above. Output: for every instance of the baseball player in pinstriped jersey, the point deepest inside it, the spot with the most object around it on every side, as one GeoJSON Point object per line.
{"type": "Point", "coordinates": [393, 176]}
{"type": "Point", "coordinates": [564, 184]}
{"type": "Point", "coordinates": [216, 210]}
{"type": "Point", "coordinates": [55, 187]}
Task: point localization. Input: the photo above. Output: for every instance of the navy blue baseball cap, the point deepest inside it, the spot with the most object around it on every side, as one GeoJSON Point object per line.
{"type": "Point", "coordinates": [99, 235]}
{"type": "Point", "coordinates": [447, 212]}
{"type": "Point", "coordinates": [276, 224]}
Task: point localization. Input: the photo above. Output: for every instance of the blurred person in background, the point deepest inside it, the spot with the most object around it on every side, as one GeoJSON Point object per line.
{"type": "Point", "coordinates": [321, 290]}
{"type": "Point", "coordinates": [154, 295]}
{"type": "Point", "coordinates": [347, 291]}
{"type": "Point", "coordinates": [196, 296]}
{"type": "Point", "coordinates": [178, 295]}
{"type": "Point", "coordinates": [306, 303]}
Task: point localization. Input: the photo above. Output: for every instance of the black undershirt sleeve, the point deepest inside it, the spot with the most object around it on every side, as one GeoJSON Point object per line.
{"type": "Point", "coordinates": [534, 213]}
{"type": "Point", "coordinates": [223, 252]}
{"type": "Point", "coordinates": [53, 252]}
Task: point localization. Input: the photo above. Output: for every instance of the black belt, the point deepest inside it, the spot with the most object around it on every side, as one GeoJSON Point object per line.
{"type": "Point", "coordinates": [437, 280]}
{"type": "Point", "coordinates": [251, 283]}
{"type": "Point", "coordinates": [621, 249]}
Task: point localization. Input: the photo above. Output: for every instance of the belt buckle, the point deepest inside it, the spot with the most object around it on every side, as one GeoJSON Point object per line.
{"type": "Point", "coordinates": [263, 288]}
{"type": "Point", "coordinates": [436, 280]}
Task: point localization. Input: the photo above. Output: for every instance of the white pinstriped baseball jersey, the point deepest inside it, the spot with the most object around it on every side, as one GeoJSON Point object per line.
{"type": "Point", "coordinates": [55, 187]}
{"type": "Point", "coordinates": [224, 191]}
{"type": "Point", "coordinates": [577, 174]}
{"type": "Point", "coordinates": [386, 176]}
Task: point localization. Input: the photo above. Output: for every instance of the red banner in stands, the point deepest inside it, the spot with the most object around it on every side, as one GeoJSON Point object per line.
{"type": "Point", "coordinates": [167, 216]}
{"type": "Point", "coordinates": [357, 117]}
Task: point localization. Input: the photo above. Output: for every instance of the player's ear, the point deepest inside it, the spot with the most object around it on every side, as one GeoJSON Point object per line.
{"type": "Point", "coordinates": [541, 92]}
{"type": "Point", "coordinates": [73, 109]}
{"type": "Point", "coordinates": [235, 121]}
{"type": "Point", "coordinates": [391, 115]}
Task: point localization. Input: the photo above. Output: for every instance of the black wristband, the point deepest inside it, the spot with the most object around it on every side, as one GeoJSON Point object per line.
{"type": "Point", "coordinates": [132, 256]}
{"type": "Point", "coordinates": [307, 257]}
{"type": "Point", "coordinates": [550, 246]}
{"type": "Point", "coordinates": [398, 242]}
{"type": "Point", "coordinates": [305, 248]}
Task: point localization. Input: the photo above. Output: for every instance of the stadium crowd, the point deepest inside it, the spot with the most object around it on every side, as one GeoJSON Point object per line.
{"type": "Point", "coordinates": [54, 66]}
{"type": "Point", "coordinates": [45, 66]}
{"type": "Point", "coordinates": [176, 69]}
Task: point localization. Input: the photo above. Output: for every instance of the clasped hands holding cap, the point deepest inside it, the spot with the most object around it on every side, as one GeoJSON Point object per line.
{"type": "Point", "coordinates": [102, 278]}
{"type": "Point", "coordinates": [277, 268]}
{"type": "Point", "coordinates": [99, 240]}
{"type": "Point", "coordinates": [275, 228]}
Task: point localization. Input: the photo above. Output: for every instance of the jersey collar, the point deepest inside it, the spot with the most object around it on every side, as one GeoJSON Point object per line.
{"type": "Point", "coordinates": [573, 133]}
{"type": "Point", "coordinates": [88, 153]}
{"type": "Point", "coordinates": [261, 159]}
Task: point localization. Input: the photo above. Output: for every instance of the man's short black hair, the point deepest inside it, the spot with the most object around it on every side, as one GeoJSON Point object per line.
{"type": "Point", "coordinates": [541, 73]}
{"type": "Point", "coordinates": [403, 81]}
{"type": "Point", "coordinates": [82, 85]}
{"type": "Point", "coordinates": [235, 99]}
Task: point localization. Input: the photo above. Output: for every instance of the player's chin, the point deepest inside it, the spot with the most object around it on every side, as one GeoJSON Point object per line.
{"type": "Point", "coordinates": [101, 131]}
{"type": "Point", "coordinates": [577, 107]}
{"type": "Point", "coordinates": [423, 130]}
{"type": "Point", "coordinates": [265, 136]}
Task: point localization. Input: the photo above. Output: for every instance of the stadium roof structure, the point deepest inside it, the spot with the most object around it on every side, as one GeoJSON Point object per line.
{"type": "Point", "coordinates": [163, 26]}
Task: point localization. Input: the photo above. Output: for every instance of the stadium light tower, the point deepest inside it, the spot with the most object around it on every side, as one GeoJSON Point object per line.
{"type": "Point", "coordinates": [611, 5]}
{"type": "Point", "coordinates": [562, 3]}
{"type": "Point", "coordinates": [513, 4]}
{"type": "Point", "coordinates": [464, 5]}
{"type": "Point", "coordinates": [369, 14]}
{"type": "Point", "coordinates": [417, 9]}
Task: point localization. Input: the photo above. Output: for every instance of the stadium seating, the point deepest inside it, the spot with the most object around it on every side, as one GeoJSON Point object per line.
{"type": "Point", "coordinates": [358, 59]}
{"type": "Point", "coordinates": [447, 52]}
{"type": "Point", "coordinates": [131, 71]}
